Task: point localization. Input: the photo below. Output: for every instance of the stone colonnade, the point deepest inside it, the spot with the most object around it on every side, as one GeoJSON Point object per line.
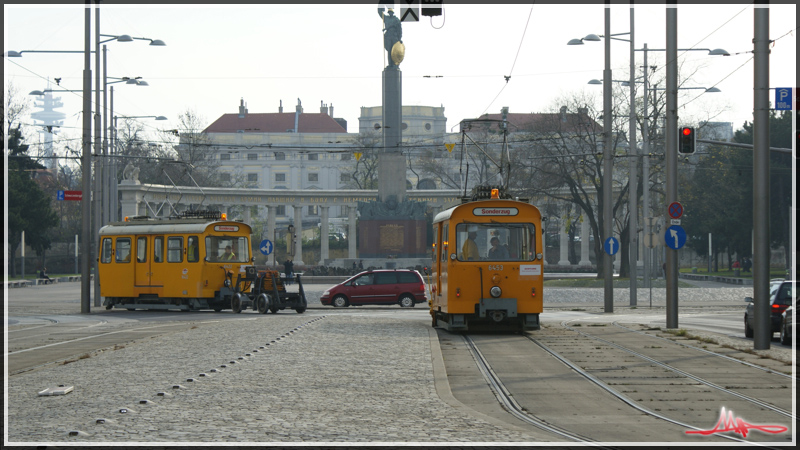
{"type": "Point", "coordinates": [161, 200]}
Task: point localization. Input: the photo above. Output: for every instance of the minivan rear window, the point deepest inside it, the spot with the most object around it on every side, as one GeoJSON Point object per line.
{"type": "Point", "coordinates": [407, 277]}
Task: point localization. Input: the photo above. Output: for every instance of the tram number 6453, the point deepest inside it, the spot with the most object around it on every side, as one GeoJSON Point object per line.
{"type": "Point", "coordinates": [495, 267]}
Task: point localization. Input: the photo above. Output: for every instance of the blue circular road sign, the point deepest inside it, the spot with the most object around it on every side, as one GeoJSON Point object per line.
{"type": "Point", "coordinates": [265, 246]}
{"type": "Point", "coordinates": [675, 237]}
{"type": "Point", "coordinates": [611, 246]}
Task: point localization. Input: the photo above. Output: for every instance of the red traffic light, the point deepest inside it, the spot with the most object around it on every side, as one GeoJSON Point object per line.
{"type": "Point", "coordinates": [686, 131]}
{"type": "Point", "coordinates": [686, 140]}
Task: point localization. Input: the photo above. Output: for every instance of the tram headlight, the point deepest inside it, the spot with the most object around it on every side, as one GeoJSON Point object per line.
{"type": "Point", "coordinates": [496, 291]}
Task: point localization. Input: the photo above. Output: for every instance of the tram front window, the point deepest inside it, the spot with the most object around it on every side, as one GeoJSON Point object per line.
{"type": "Point", "coordinates": [226, 249]}
{"type": "Point", "coordinates": [495, 242]}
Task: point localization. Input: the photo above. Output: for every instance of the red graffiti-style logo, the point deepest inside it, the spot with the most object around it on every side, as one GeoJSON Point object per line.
{"type": "Point", "coordinates": [728, 422]}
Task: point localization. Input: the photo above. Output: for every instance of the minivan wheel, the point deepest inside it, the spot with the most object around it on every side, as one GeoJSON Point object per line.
{"type": "Point", "coordinates": [340, 301]}
{"type": "Point", "coordinates": [406, 301]}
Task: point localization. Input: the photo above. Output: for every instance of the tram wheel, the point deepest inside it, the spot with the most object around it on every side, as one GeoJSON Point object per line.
{"type": "Point", "coordinates": [236, 303]}
{"type": "Point", "coordinates": [262, 303]}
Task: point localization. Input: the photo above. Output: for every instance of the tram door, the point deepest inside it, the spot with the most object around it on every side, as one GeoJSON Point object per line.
{"type": "Point", "coordinates": [142, 269]}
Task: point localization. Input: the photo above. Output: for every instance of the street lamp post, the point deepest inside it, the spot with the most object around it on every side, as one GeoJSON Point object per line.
{"type": "Point", "coordinates": [113, 182]}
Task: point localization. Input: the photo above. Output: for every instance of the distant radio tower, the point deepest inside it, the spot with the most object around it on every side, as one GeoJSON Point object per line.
{"type": "Point", "coordinates": [49, 120]}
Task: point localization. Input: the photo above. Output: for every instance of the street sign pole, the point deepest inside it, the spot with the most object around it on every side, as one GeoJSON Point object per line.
{"type": "Point", "coordinates": [671, 157]}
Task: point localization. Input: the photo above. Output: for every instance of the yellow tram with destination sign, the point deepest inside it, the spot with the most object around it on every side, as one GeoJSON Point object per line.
{"type": "Point", "coordinates": [186, 262]}
{"type": "Point", "coordinates": [487, 264]}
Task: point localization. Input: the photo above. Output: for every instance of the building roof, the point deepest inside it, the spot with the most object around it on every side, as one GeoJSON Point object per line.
{"type": "Point", "coordinates": [275, 123]}
{"type": "Point", "coordinates": [539, 122]}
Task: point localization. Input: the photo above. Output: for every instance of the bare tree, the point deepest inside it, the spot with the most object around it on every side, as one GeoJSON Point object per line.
{"type": "Point", "coordinates": [195, 152]}
{"type": "Point", "coordinates": [364, 173]}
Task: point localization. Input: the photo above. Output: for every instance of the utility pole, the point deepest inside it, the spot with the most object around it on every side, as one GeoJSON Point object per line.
{"type": "Point", "coordinates": [671, 157]}
{"type": "Point", "coordinates": [761, 313]}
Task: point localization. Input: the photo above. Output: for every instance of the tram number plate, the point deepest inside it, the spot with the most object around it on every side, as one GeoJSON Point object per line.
{"type": "Point", "coordinates": [495, 267]}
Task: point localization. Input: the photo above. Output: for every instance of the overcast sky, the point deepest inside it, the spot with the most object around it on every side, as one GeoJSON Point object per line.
{"type": "Point", "coordinates": [217, 55]}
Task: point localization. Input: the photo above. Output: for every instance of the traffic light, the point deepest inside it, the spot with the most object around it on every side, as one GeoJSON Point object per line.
{"type": "Point", "coordinates": [687, 140]}
{"type": "Point", "coordinates": [431, 8]}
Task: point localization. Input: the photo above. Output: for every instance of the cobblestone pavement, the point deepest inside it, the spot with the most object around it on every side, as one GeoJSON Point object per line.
{"type": "Point", "coordinates": [289, 378]}
{"type": "Point", "coordinates": [336, 378]}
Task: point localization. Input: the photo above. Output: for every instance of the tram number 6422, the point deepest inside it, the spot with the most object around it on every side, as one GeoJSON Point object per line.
{"type": "Point", "coordinates": [498, 267]}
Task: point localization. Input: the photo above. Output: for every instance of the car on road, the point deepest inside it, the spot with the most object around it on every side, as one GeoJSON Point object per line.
{"type": "Point", "coordinates": [786, 325]}
{"type": "Point", "coordinates": [378, 287]}
{"type": "Point", "coordinates": [781, 296]}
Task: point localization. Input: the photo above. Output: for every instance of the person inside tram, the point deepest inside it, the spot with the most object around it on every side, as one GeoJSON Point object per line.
{"type": "Point", "coordinates": [192, 253]}
{"type": "Point", "coordinates": [228, 255]}
{"type": "Point", "coordinates": [469, 251]}
{"type": "Point", "coordinates": [497, 252]}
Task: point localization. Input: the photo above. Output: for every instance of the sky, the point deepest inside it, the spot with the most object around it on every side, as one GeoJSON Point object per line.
{"type": "Point", "coordinates": [217, 55]}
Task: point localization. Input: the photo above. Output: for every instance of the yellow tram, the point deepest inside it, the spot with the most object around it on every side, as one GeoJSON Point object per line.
{"type": "Point", "coordinates": [487, 264]}
{"type": "Point", "coordinates": [185, 262]}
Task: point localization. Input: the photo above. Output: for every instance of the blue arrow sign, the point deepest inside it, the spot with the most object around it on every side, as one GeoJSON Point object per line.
{"type": "Point", "coordinates": [611, 246]}
{"type": "Point", "coordinates": [265, 246]}
{"type": "Point", "coordinates": [675, 237]}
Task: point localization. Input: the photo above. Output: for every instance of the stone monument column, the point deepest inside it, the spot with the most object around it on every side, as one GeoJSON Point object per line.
{"type": "Point", "coordinates": [298, 230]}
{"type": "Point", "coordinates": [351, 232]}
{"type": "Point", "coordinates": [323, 234]}
{"type": "Point", "coordinates": [564, 247]}
{"type": "Point", "coordinates": [271, 211]}
{"type": "Point", "coordinates": [585, 237]}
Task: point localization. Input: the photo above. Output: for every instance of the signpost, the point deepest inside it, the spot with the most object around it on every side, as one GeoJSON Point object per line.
{"type": "Point", "coordinates": [69, 195]}
{"type": "Point", "coordinates": [675, 237]}
{"type": "Point", "coordinates": [783, 99]}
{"type": "Point", "coordinates": [611, 246]}
{"type": "Point", "coordinates": [265, 247]}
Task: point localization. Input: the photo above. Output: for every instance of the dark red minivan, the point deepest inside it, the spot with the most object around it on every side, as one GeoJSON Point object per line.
{"type": "Point", "coordinates": [378, 287]}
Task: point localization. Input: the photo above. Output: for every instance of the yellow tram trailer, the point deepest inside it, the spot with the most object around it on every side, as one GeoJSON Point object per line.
{"type": "Point", "coordinates": [496, 293]}
{"type": "Point", "coordinates": [172, 263]}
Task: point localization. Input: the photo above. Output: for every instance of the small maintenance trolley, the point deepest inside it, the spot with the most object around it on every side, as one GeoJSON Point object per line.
{"type": "Point", "coordinates": [487, 264]}
{"type": "Point", "coordinates": [264, 290]}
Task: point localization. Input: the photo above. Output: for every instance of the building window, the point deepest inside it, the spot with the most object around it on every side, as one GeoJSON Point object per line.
{"type": "Point", "coordinates": [280, 210]}
{"type": "Point", "coordinates": [313, 177]}
{"type": "Point", "coordinates": [280, 156]}
{"type": "Point", "coordinates": [404, 126]}
{"type": "Point", "coordinates": [428, 127]}
{"type": "Point", "coordinates": [313, 156]}
{"type": "Point", "coordinates": [313, 210]}
{"type": "Point", "coordinates": [226, 177]}
{"type": "Point", "coordinates": [225, 157]}
{"type": "Point", "coordinates": [252, 177]}
{"type": "Point", "coordinates": [346, 156]}
{"type": "Point", "coordinates": [252, 156]}
{"type": "Point", "coordinates": [280, 177]}
{"type": "Point", "coordinates": [344, 177]}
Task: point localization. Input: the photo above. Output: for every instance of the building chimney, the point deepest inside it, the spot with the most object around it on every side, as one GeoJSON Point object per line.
{"type": "Point", "coordinates": [331, 110]}
{"type": "Point", "coordinates": [280, 108]}
{"type": "Point", "coordinates": [563, 113]}
{"type": "Point", "coordinates": [242, 109]}
{"type": "Point", "coordinates": [323, 108]}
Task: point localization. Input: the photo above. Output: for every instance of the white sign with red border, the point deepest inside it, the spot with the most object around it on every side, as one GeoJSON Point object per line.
{"type": "Point", "coordinates": [226, 228]}
{"type": "Point", "coordinates": [495, 211]}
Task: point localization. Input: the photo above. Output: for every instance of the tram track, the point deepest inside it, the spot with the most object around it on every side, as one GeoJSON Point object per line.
{"type": "Point", "coordinates": [674, 396]}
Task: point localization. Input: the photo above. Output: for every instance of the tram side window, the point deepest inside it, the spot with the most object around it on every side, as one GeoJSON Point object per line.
{"type": "Point", "coordinates": [445, 238]}
{"type": "Point", "coordinates": [106, 252]}
{"type": "Point", "coordinates": [192, 250]}
{"type": "Point", "coordinates": [141, 249]}
{"type": "Point", "coordinates": [123, 250]}
{"type": "Point", "coordinates": [158, 249]}
{"type": "Point", "coordinates": [174, 249]}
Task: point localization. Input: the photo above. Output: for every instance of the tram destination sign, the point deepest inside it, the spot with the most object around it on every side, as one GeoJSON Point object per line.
{"type": "Point", "coordinates": [495, 211]}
